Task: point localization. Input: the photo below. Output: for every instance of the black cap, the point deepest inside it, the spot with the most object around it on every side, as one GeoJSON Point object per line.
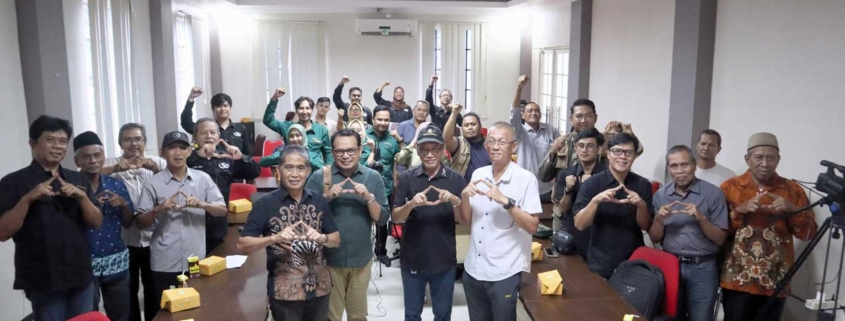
{"type": "Point", "coordinates": [430, 134]}
{"type": "Point", "coordinates": [175, 136]}
{"type": "Point", "coordinates": [85, 139]}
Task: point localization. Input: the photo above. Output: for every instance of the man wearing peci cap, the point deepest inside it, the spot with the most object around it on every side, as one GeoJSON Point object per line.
{"type": "Point", "coordinates": [173, 205]}
{"type": "Point", "coordinates": [109, 255]}
{"type": "Point", "coordinates": [427, 202]}
{"type": "Point", "coordinates": [760, 230]}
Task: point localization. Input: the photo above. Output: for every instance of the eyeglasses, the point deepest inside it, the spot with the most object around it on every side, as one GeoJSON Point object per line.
{"type": "Point", "coordinates": [349, 152]}
{"type": "Point", "coordinates": [133, 139]}
{"type": "Point", "coordinates": [583, 116]}
{"type": "Point", "coordinates": [497, 143]}
{"type": "Point", "coordinates": [619, 152]}
{"type": "Point", "coordinates": [423, 152]}
{"type": "Point", "coordinates": [586, 146]}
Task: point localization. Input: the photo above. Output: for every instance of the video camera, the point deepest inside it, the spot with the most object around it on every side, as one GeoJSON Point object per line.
{"type": "Point", "coordinates": [831, 184]}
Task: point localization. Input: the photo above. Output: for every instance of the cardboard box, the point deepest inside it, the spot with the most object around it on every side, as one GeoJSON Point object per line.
{"type": "Point", "coordinates": [536, 251]}
{"type": "Point", "coordinates": [212, 265]}
{"type": "Point", "coordinates": [550, 283]}
{"type": "Point", "coordinates": [180, 299]}
{"type": "Point", "coordinates": [240, 206]}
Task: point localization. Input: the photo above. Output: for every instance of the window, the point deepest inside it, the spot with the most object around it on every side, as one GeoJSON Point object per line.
{"type": "Point", "coordinates": [438, 55]}
{"type": "Point", "coordinates": [554, 77]}
{"type": "Point", "coordinates": [185, 61]}
{"type": "Point", "coordinates": [457, 54]}
{"type": "Point", "coordinates": [468, 71]}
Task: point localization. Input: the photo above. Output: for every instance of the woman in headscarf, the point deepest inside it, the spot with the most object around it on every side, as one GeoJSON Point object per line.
{"type": "Point", "coordinates": [356, 112]}
{"type": "Point", "coordinates": [296, 136]}
{"type": "Point", "coordinates": [367, 155]}
{"type": "Point", "coordinates": [399, 110]}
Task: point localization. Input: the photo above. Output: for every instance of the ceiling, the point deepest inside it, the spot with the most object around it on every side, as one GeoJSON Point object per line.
{"type": "Point", "coordinates": [450, 7]}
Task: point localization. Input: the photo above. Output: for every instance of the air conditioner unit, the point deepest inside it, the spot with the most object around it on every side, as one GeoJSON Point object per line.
{"type": "Point", "coordinates": [386, 27]}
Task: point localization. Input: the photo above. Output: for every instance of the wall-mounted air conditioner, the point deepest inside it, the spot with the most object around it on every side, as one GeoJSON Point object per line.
{"type": "Point", "coordinates": [386, 27]}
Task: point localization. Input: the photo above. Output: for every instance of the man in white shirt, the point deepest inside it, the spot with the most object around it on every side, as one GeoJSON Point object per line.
{"type": "Point", "coordinates": [534, 138]}
{"type": "Point", "coordinates": [501, 202]}
{"type": "Point", "coordinates": [134, 168]}
{"type": "Point", "coordinates": [708, 146]}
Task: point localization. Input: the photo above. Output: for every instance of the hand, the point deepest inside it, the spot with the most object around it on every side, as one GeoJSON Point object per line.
{"type": "Point", "coordinates": [171, 203]}
{"type": "Point", "coordinates": [289, 233]}
{"type": "Point", "coordinates": [420, 199]}
{"type": "Point", "coordinates": [523, 79]}
{"type": "Point", "coordinates": [337, 189]}
{"type": "Point", "coordinates": [278, 93]}
{"type": "Point", "coordinates": [612, 125]}
{"type": "Point", "coordinates": [570, 182]}
{"type": "Point", "coordinates": [456, 107]}
{"type": "Point", "coordinates": [344, 80]}
{"type": "Point", "coordinates": [434, 79]}
{"type": "Point", "coordinates": [608, 196]}
{"type": "Point", "coordinates": [444, 196]}
{"type": "Point", "coordinates": [340, 114]}
{"type": "Point", "coordinates": [113, 199]}
{"type": "Point", "coordinates": [360, 190]}
{"type": "Point", "coordinates": [232, 150]}
{"type": "Point", "coordinates": [371, 143]}
{"type": "Point", "coordinates": [312, 234]}
{"type": "Point", "coordinates": [558, 144]}
{"type": "Point", "coordinates": [70, 190]}
{"type": "Point", "coordinates": [780, 204]}
{"type": "Point", "coordinates": [150, 165]}
{"type": "Point", "coordinates": [207, 151]}
{"type": "Point", "coordinates": [585, 177]}
{"type": "Point", "coordinates": [750, 206]}
{"type": "Point", "coordinates": [396, 135]}
{"type": "Point", "coordinates": [626, 128]}
{"type": "Point", "coordinates": [633, 197]}
{"type": "Point", "coordinates": [122, 166]}
{"type": "Point", "coordinates": [386, 83]}
{"type": "Point", "coordinates": [665, 211]}
{"type": "Point", "coordinates": [44, 189]}
{"type": "Point", "coordinates": [494, 193]}
{"type": "Point", "coordinates": [195, 92]}
{"type": "Point", "coordinates": [692, 210]}
{"type": "Point", "coordinates": [194, 202]}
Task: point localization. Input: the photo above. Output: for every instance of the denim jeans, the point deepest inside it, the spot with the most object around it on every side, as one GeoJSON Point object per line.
{"type": "Point", "coordinates": [699, 283]}
{"type": "Point", "coordinates": [61, 305]}
{"type": "Point", "coordinates": [442, 289]}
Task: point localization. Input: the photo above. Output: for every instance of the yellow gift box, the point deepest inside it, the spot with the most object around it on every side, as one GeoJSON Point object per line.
{"type": "Point", "coordinates": [536, 251]}
{"type": "Point", "coordinates": [212, 265]}
{"type": "Point", "coordinates": [175, 300]}
{"type": "Point", "coordinates": [550, 283]}
{"type": "Point", "coordinates": [240, 206]}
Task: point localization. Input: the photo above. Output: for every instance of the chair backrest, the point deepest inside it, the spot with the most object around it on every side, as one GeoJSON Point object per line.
{"type": "Point", "coordinates": [270, 146]}
{"type": "Point", "coordinates": [239, 191]}
{"type": "Point", "coordinates": [265, 171]}
{"type": "Point", "coordinates": [484, 132]}
{"type": "Point", "coordinates": [90, 316]}
{"type": "Point", "coordinates": [671, 268]}
{"type": "Point", "coordinates": [655, 186]}
{"type": "Point", "coordinates": [259, 144]}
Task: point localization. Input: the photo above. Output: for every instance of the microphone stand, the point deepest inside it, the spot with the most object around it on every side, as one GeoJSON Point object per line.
{"type": "Point", "coordinates": [836, 223]}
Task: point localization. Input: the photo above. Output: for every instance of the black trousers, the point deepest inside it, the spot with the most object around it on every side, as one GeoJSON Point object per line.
{"type": "Point", "coordinates": [382, 232]}
{"type": "Point", "coordinates": [742, 306]}
{"type": "Point", "coordinates": [139, 267]}
{"type": "Point", "coordinates": [162, 281]}
{"type": "Point", "coordinates": [492, 301]}
{"type": "Point", "coordinates": [309, 310]}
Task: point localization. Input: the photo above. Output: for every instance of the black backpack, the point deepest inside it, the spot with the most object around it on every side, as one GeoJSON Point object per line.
{"type": "Point", "coordinates": [641, 284]}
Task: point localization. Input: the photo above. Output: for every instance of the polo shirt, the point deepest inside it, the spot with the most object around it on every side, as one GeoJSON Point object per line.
{"type": "Point", "coordinates": [428, 238]}
{"type": "Point", "coordinates": [682, 233]}
{"type": "Point", "coordinates": [319, 144]}
{"type": "Point", "coordinates": [51, 247]}
{"type": "Point", "coordinates": [615, 233]}
{"type": "Point", "coordinates": [352, 216]}
{"type": "Point", "coordinates": [439, 115]}
{"type": "Point", "coordinates": [407, 130]}
{"type": "Point", "coordinates": [177, 234]}
{"type": "Point", "coordinates": [582, 238]}
{"type": "Point", "coordinates": [299, 274]}
{"type": "Point", "coordinates": [387, 147]}
{"type": "Point", "coordinates": [235, 134]}
{"type": "Point", "coordinates": [109, 255]}
{"type": "Point", "coordinates": [134, 180]}
{"type": "Point", "coordinates": [498, 247]}
{"type": "Point", "coordinates": [533, 146]}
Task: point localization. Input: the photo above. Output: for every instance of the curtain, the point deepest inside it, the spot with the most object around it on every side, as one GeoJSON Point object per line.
{"type": "Point", "coordinates": [455, 41]}
{"type": "Point", "coordinates": [291, 55]}
{"type": "Point", "coordinates": [192, 63]}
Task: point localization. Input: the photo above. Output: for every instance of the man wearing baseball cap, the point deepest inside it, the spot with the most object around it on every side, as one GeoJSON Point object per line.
{"type": "Point", "coordinates": [426, 201]}
{"type": "Point", "coordinates": [762, 224]}
{"type": "Point", "coordinates": [173, 205]}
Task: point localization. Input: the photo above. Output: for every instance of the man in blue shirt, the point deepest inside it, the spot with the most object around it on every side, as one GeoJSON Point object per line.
{"type": "Point", "coordinates": [408, 129]}
{"type": "Point", "coordinates": [109, 255]}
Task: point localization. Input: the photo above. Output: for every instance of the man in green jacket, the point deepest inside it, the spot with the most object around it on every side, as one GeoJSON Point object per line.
{"type": "Point", "coordinates": [318, 143]}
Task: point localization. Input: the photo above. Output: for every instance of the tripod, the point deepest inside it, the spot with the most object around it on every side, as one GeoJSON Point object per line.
{"type": "Point", "coordinates": [832, 227]}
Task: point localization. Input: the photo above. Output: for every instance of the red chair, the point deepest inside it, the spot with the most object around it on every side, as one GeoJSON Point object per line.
{"type": "Point", "coordinates": [655, 186]}
{"type": "Point", "coordinates": [90, 316]}
{"type": "Point", "coordinates": [484, 132]}
{"type": "Point", "coordinates": [671, 268]}
{"type": "Point", "coordinates": [265, 171]}
{"type": "Point", "coordinates": [270, 146]}
{"type": "Point", "coordinates": [239, 191]}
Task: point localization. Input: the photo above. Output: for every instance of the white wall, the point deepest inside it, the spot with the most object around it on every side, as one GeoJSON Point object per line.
{"type": "Point", "coordinates": [631, 68]}
{"type": "Point", "coordinates": [15, 135]}
{"type": "Point", "coordinates": [787, 79]}
{"type": "Point", "coordinates": [367, 60]}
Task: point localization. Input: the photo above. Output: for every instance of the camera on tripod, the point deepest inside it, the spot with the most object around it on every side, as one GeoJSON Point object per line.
{"type": "Point", "coordinates": [831, 184]}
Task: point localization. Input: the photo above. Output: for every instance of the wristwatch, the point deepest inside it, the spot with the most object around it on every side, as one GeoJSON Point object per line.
{"type": "Point", "coordinates": [510, 204]}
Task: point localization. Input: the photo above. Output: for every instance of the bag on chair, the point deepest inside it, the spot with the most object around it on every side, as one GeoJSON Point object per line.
{"type": "Point", "coordinates": [641, 284]}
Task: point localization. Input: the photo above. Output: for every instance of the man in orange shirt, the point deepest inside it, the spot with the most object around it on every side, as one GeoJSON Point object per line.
{"type": "Point", "coordinates": [759, 248]}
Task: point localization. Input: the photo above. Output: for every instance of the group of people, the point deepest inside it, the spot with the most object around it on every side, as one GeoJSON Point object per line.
{"type": "Point", "coordinates": [92, 234]}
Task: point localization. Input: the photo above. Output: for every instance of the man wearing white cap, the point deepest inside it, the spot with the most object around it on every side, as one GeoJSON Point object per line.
{"type": "Point", "coordinates": [762, 224]}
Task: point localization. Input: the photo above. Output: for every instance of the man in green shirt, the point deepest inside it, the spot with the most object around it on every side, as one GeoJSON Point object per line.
{"type": "Point", "coordinates": [387, 146]}
{"type": "Point", "coordinates": [357, 198]}
{"type": "Point", "coordinates": [318, 144]}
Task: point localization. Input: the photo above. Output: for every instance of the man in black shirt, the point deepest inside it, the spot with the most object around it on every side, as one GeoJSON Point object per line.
{"type": "Point", "coordinates": [617, 205]}
{"type": "Point", "coordinates": [426, 201]}
{"type": "Point", "coordinates": [354, 97]}
{"type": "Point", "coordinates": [225, 164]}
{"type": "Point", "coordinates": [440, 114]}
{"type": "Point", "coordinates": [294, 224]}
{"type": "Point", "coordinates": [47, 210]}
{"type": "Point", "coordinates": [568, 183]}
{"type": "Point", "coordinates": [234, 134]}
